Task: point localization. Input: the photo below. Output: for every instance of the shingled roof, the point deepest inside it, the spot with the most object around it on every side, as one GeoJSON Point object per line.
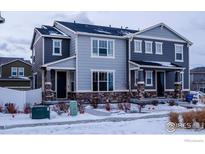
{"type": "Point", "coordinates": [198, 70]}
{"type": "Point", "coordinates": [96, 29]}
{"type": "Point", "coordinates": [5, 60]}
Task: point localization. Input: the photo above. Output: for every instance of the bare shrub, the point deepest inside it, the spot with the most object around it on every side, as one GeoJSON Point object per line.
{"type": "Point", "coordinates": [200, 118]}
{"type": "Point", "coordinates": [171, 103]}
{"type": "Point", "coordinates": [11, 108]}
{"type": "Point", "coordinates": [188, 119]}
{"type": "Point", "coordinates": [174, 117]}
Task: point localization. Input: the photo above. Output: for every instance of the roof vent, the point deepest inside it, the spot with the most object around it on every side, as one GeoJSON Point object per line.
{"type": "Point", "coordinates": [74, 21]}
{"type": "Point", "coordinates": [110, 26]}
{"type": "Point", "coordinates": [126, 27]}
{"type": "Point", "coordinates": [121, 27]}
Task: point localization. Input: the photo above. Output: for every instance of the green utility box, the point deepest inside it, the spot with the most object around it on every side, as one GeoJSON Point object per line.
{"type": "Point", "coordinates": [40, 112]}
{"type": "Point", "coordinates": [73, 108]}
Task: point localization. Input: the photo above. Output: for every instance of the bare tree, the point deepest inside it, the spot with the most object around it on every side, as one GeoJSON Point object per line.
{"type": "Point", "coordinates": [2, 20]}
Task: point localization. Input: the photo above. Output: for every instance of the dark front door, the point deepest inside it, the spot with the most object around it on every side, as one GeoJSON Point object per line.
{"type": "Point", "coordinates": [160, 84]}
{"type": "Point", "coordinates": [61, 84]}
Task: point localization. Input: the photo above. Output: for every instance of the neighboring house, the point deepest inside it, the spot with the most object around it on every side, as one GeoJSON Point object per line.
{"type": "Point", "coordinates": [197, 78]}
{"type": "Point", "coordinates": [15, 73]}
{"type": "Point", "coordinates": [84, 59]}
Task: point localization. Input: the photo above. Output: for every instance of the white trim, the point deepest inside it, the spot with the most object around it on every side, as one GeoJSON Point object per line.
{"type": "Point", "coordinates": [14, 61]}
{"type": "Point", "coordinates": [62, 68]}
{"type": "Point", "coordinates": [182, 79]}
{"type": "Point", "coordinates": [102, 39]}
{"type": "Point", "coordinates": [146, 51]}
{"type": "Point", "coordinates": [56, 83]}
{"type": "Point", "coordinates": [151, 84]}
{"type": "Point", "coordinates": [162, 67]}
{"type": "Point", "coordinates": [56, 22]}
{"type": "Point", "coordinates": [181, 52]}
{"type": "Point", "coordinates": [149, 90]}
{"type": "Point", "coordinates": [140, 42]}
{"type": "Point", "coordinates": [43, 52]}
{"type": "Point", "coordinates": [22, 71]}
{"type": "Point", "coordinates": [159, 38]}
{"type": "Point", "coordinates": [100, 35]}
{"type": "Point", "coordinates": [169, 90]}
{"type": "Point", "coordinates": [43, 79]}
{"type": "Point", "coordinates": [136, 72]}
{"type": "Point", "coordinates": [106, 71]}
{"type": "Point", "coordinates": [60, 48]}
{"type": "Point", "coordinates": [161, 24]}
{"type": "Point", "coordinates": [58, 61]}
{"type": "Point", "coordinates": [12, 71]}
{"type": "Point", "coordinates": [161, 49]}
{"type": "Point", "coordinates": [18, 87]}
{"type": "Point", "coordinates": [76, 72]}
{"type": "Point", "coordinates": [133, 63]}
{"type": "Point", "coordinates": [165, 80]}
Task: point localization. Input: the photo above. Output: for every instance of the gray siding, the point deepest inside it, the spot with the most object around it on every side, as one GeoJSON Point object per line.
{"type": "Point", "coordinates": [70, 63]}
{"type": "Point", "coordinates": [167, 56]}
{"type": "Point", "coordinates": [86, 63]}
{"type": "Point", "coordinates": [161, 32]}
{"type": "Point", "coordinates": [73, 38]}
{"type": "Point", "coordinates": [48, 50]}
{"type": "Point", "coordinates": [36, 67]}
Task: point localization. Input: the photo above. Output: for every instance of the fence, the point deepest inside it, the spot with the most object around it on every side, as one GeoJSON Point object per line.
{"type": "Point", "coordinates": [20, 98]}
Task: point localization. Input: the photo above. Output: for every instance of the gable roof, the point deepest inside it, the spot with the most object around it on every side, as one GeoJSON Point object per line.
{"type": "Point", "coordinates": [198, 70]}
{"type": "Point", "coordinates": [96, 29]}
{"type": "Point", "coordinates": [164, 25]}
{"type": "Point", "coordinates": [7, 60]}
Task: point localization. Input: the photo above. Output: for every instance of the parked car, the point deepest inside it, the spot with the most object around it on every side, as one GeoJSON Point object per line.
{"type": "Point", "coordinates": [202, 89]}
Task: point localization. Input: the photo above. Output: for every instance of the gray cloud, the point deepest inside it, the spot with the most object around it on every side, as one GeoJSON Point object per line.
{"type": "Point", "coordinates": [81, 17]}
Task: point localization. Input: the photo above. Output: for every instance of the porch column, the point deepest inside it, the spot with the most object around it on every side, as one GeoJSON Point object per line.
{"type": "Point", "coordinates": [48, 93]}
{"type": "Point", "coordinates": [177, 85]}
{"type": "Point", "coordinates": [140, 84]}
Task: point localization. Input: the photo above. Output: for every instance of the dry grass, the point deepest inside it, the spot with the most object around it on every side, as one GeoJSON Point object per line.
{"type": "Point", "coordinates": [174, 117]}
{"type": "Point", "coordinates": [188, 119]}
{"type": "Point", "coordinates": [200, 118]}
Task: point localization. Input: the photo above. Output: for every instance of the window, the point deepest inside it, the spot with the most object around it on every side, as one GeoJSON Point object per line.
{"type": "Point", "coordinates": [138, 46]}
{"type": "Point", "coordinates": [149, 76]}
{"type": "Point", "coordinates": [182, 79]}
{"type": "Point", "coordinates": [72, 80]}
{"type": "Point", "coordinates": [20, 71]}
{"type": "Point", "coordinates": [148, 47]}
{"type": "Point", "coordinates": [14, 71]}
{"type": "Point", "coordinates": [178, 52]}
{"type": "Point", "coordinates": [57, 47]}
{"type": "Point", "coordinates": [136, 76]}
{"type": "Point", "coordinates": [102, 81]}
{"type": "Point", "coordinates": [102, 48]}
{"type": "Point", "coordinates": [34, 54]}
{"type": "Point", "coordinates": [158, 48]}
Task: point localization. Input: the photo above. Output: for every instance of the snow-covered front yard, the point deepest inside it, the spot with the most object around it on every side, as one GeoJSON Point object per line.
{"type": "Point", "coordinates": [153, 120]}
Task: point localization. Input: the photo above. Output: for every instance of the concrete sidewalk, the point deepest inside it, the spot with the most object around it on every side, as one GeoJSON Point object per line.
{"type": "Point", "coordinates": [111, 119]}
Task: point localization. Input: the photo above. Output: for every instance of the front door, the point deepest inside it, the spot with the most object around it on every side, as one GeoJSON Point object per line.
{"type": "Point", "coordinates": [160, 84]}
{"type": "Point", "coordinates": [61, 84]}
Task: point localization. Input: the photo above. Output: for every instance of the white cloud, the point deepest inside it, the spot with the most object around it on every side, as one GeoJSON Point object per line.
{"type": "Point", "coordinates": [16, 33]}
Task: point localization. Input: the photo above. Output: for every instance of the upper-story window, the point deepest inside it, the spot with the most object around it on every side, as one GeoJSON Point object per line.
{"type": "Point", "coordinates": [179, 53]}
{"type": "Point", "coordinates": [57, 47]}
{"type": "Point", "coordinates": [102, 48]}
{"type": "Point", "coordinates": [138, 46]}
{"type": "Point", "coordinates": [158, 48]}
{"type": "Point", "coordinates": [149, 78]}
{"type": "Point", "coordinates": [148, 47]}
{"type": "Point", "coordinates": [20, 71]}
{"type": "Point", "coordinates": [13, 71]}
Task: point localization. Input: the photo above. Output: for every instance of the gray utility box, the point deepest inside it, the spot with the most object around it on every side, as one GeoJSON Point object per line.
{"type": "Point", "coordinates": [40, 112]}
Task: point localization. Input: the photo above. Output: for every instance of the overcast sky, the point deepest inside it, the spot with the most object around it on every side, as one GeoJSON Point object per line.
{"type": "Point", "coordinates": [16, 33]}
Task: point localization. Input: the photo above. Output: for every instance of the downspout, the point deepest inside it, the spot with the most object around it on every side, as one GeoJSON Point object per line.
{"type": "Point", "coordinates": [129, 57]}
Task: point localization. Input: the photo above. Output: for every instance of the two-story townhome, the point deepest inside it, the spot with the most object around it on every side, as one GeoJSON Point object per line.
{"type": "Point", "coordinates": [197, 79]}
{"type": "Point", "coordinates": [15, 73]}
{"type": "Point", "coordinates": [88, 60]}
